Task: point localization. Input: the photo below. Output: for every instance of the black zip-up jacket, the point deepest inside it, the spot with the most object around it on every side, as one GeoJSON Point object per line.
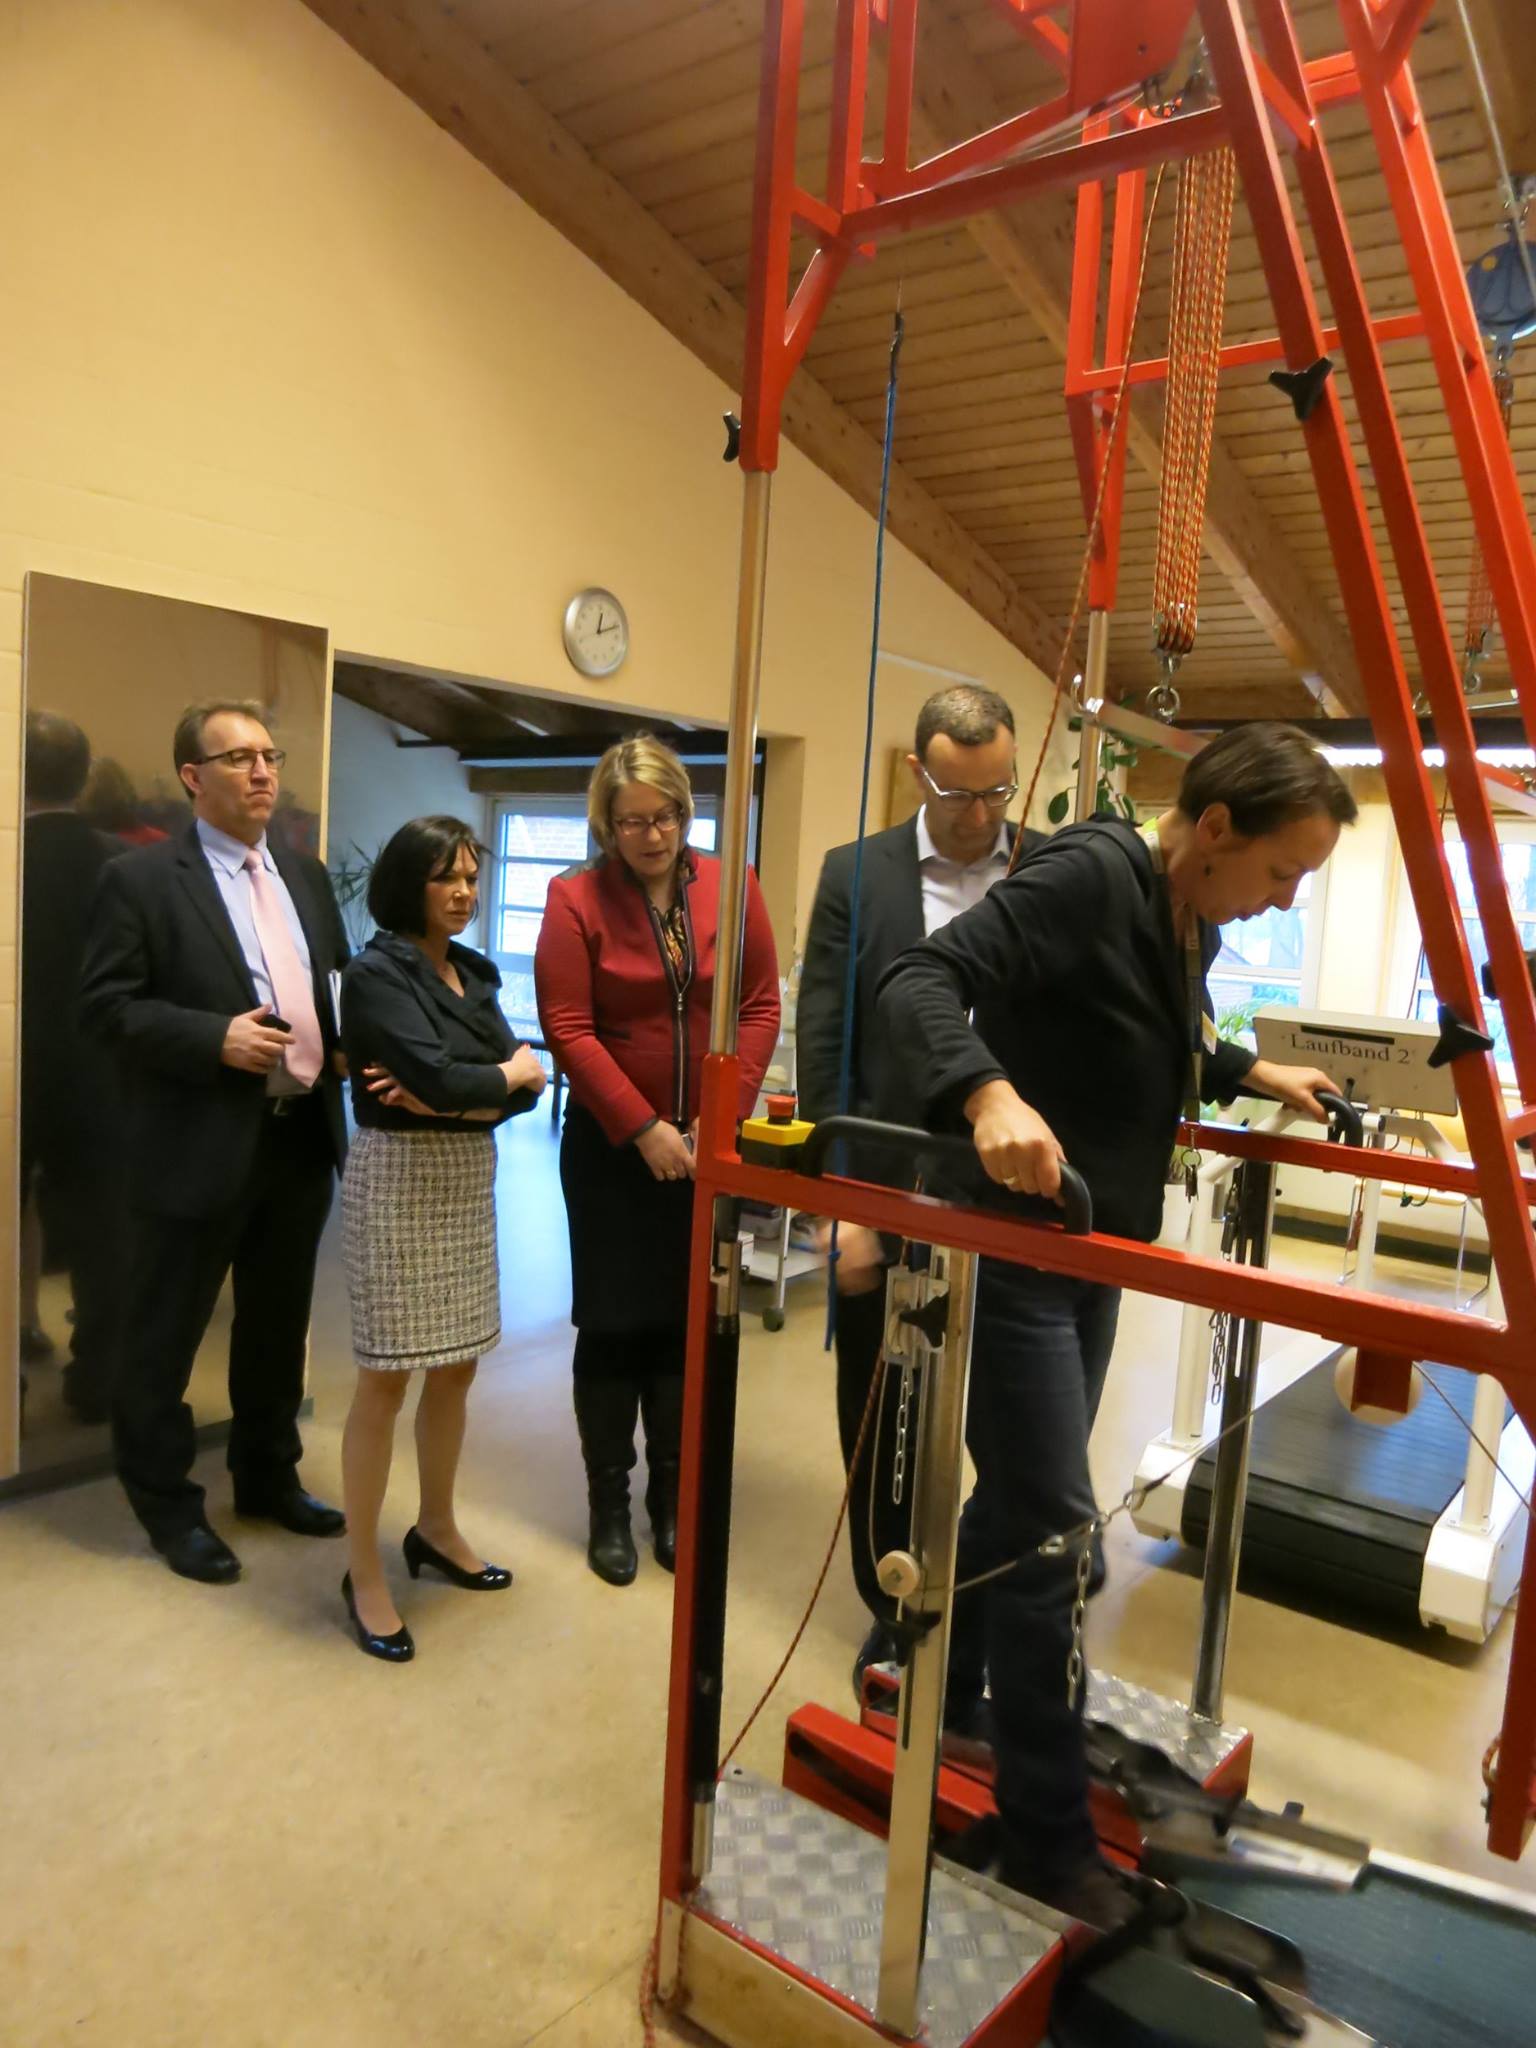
{"type": "Point", "coordinates": [1078, 994]}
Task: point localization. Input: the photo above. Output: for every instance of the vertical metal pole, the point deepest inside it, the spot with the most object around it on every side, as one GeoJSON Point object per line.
{"type": "Point", "coordinates": [920, 1710]}
{"type": "Point", "coordinates": [1194, 1368]}
{"type": "Point", "coordinates": [740, 754]}
{"type": "Point", "coordinates": [1370, 1218]}
{"type": "Point", "coordinates": [1229, 1492]}
{"type": "Point", "coordinates": [1090, 738]}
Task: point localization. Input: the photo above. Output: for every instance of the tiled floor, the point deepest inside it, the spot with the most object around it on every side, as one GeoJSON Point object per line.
{"type": "Point", "coordinates": [224, 1827]}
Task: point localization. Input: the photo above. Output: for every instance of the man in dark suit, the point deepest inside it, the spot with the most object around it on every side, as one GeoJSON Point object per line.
{"type": "Point", "coordinates": [912, 880]}
{"type": "Point", "coordinates": [209, 969]}
{"type": "Point", "coordinates": [69, 1110]}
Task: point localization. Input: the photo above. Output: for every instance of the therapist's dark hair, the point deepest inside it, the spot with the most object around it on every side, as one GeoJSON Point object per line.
{"type": "Point", "coordinates": [1268, 775]}
{"type": "Point", "coordinates": [423, 851]}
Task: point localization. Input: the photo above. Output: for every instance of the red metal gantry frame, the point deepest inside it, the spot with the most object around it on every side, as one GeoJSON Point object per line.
{"type": "Point", "coordinates": [1265, 104]}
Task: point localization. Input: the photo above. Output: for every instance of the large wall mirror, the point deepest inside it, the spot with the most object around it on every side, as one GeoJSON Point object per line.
{"type": "Point", "coordinates": [106, 674]}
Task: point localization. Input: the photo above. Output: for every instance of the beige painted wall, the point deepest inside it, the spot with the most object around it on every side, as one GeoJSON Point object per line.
{"type": "Point", "coordinates": [270, 340]}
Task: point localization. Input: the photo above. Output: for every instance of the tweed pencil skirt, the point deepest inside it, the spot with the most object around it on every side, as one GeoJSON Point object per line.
{"type": "Point", "coordinates": [418, 1228]}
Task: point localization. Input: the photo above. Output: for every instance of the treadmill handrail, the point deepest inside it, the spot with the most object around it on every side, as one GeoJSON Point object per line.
{"type": "Point", "coordinates": [942, 1148]}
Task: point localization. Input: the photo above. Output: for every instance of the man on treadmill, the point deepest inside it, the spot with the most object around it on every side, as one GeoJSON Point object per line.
{"type": "Point", "coordinates": [1066, 1016]}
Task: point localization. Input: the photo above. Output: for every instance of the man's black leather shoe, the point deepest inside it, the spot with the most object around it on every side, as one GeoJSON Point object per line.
{"type": "Point", "coordinates": [198, 1553]}
{"type": "Point", "coordinates": [878, 1647]}
{"type": "Point", "coordinates": [295, 1510]}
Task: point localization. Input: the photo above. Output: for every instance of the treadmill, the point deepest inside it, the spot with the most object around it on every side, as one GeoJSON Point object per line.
{"type": "Point", "coordinates": [1409, 1518]}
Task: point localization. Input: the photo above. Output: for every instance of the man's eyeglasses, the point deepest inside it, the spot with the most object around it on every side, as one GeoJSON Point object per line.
{"type": "Point", "coordinates": [958, 800]}
{"type": "Point", "coordinates": [632, 826]}
{"type": "Point", "coordinates": [244, 759]}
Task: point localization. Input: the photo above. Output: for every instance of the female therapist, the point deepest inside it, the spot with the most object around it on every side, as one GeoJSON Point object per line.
{"type": "Point", "coordinates": [1091, 1036]}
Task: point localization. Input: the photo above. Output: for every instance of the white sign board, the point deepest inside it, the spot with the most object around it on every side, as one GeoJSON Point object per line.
{"type": "Point", "coordinates": [1387, 1058]}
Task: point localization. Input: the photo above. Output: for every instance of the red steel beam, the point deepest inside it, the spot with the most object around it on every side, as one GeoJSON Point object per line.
{"type": "Point", "coordinates": [1439, 663]}
{"type": "Point", "coordinates": [1369, 612]}
{"type": "Point", "coordinates": [1398, 27]}
{"type": "Point", "coordinates": [1135, 149]}
{"type": "Point", "coordinates": [1472, 407]}
{"type": "Point", "coordinates": [764, 378]}
{"type": "Point", "coordinates": [1397, 1169]}
{"type": "Point", "coordinates": [1241, 354]}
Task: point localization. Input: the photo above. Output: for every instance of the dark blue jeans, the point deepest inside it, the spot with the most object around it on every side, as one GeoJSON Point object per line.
{"type": "Point", "coordinates": [1038, 1360]}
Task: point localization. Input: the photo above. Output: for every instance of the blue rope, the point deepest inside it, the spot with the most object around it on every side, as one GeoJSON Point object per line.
{"type": "Point", "coordinates": [850, 986]}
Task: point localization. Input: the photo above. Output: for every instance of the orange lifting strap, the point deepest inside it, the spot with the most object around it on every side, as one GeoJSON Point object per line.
{"type": "Point", "coordinates": [1202, 235]}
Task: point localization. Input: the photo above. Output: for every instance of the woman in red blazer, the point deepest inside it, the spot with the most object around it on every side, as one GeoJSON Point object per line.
{"type": "Point", "coordinates": [625, 971]}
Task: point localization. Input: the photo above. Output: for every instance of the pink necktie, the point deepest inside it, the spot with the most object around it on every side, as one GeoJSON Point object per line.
{"type": "Point", "coordinates": [291, 991]}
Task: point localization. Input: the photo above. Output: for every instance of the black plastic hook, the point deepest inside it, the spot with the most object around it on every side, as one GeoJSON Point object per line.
{"type": "Point", "coordinates": [1304, 387]}
{"type": "Point", "coordinates": [1457, 1039]}
{"type": "Point", "coordinates": [732, 438]}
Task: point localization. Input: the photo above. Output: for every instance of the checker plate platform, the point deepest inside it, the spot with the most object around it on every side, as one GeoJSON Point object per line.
{"type": "Point", "coordinates": [1197, 1746]}
{"type": "Point", "coordinates": [810, 1887]}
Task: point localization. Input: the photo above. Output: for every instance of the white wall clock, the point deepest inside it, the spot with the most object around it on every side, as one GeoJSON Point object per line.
{"type": "Point", "coordinates": [596, 632]}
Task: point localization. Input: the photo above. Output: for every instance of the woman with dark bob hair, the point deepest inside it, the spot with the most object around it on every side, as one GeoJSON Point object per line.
{"type": "Point", "coordinates": [1067, 1017]}
{"type": "Point", "coordinates": [434, 1067]}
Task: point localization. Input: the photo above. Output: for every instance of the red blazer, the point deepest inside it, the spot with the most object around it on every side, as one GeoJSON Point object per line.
{"type": "Point", "coordinates": [607, 1007]}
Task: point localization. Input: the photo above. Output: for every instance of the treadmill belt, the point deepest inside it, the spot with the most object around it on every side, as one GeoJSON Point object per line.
{"type": "Point", "coordinates": [1411, 1965]}
{"type": "Point", "coordinates": [1343, 1503]}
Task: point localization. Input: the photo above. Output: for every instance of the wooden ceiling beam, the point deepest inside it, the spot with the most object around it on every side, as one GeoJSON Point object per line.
{"type": "Point", "coordinates": [1503, 34]}
{"type": "Point", "coordinates": [454, 79]}
{"type": "Point", "coordinates": [956, 100]}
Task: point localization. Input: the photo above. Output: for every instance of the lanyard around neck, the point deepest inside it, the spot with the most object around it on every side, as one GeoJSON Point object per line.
{"type": "Point", "coordinates": [1194, 979]}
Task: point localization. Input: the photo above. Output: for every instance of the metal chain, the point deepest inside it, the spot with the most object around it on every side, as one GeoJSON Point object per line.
{"type": "Point", "coordinates": [903, 1418]}
{"type": "Point", "coordinates": [1075, 1666]}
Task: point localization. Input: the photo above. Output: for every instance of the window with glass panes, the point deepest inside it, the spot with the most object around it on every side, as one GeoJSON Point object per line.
{"type": "Point", "coordinates": [1517, 852]}
{"type": "Point", "coordinates": [537, 838]}
{"type": "Point", "coordinates": [1268, 959]}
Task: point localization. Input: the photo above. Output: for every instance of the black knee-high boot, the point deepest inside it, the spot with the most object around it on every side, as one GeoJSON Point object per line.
{"type": "Point", "coordinates": [607, 1408]}
{"type": "Point", "coordinates": [661, 1403]}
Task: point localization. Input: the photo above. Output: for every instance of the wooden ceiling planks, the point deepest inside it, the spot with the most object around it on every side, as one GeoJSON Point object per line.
{"type": "Point", "coordinates": [662, 94]}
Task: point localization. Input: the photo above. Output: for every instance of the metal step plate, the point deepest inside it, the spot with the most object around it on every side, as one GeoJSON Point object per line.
{"type": "Point", "coordinates": [1197, 1746]}
{"type": "Point", "coordinates": [811, 1887]}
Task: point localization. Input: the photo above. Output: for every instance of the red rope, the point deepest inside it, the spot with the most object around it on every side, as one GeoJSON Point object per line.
{"type": "Point", "coordinates": [1202, 236]}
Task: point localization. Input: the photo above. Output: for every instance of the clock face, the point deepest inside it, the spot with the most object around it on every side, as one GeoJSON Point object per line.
{"type": "Point", "coordinates": [596, 632]}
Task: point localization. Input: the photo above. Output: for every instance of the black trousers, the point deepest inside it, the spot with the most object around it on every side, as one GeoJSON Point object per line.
{"type": "Point", "coordinates": [268, 1241]}
{"type": "Point", "coordinates": [1039, 1356]}
{"type": "Point", "coordinates": [76, 1175]}
{"type": "Point", "coordinates": [876, 1522]}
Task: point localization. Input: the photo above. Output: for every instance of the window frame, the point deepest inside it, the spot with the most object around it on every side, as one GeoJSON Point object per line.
{"type": "Point", "coordinates": [1408, 979]}
{"type": "Point", "coordinates": [1308, 976]}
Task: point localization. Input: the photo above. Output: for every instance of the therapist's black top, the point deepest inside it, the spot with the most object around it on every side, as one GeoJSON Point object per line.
{"type": "Point", "coordinates": [1080, 999]}
{"type": "Point", "coordinates": [398, 1012]}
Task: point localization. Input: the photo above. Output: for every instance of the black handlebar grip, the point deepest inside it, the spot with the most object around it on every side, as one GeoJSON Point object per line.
{"type": "Point", "coordinates": [941, 1148]}
{"type": "Point", "coordinates": [1346, 1125]}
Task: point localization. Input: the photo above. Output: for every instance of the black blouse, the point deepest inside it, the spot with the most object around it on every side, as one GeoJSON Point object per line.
{"type": "Point", "coordinates": [398, 1012]}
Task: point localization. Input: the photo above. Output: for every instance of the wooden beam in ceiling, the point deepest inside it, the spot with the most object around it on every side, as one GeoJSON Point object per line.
{"type": "Point", "coordinates": [455, 79]}
{"type": "Point", "coordinates": [449, 713]}
{"type": "Point", "coordinates": [956, 100]}
{"type": "Point", "coordinates": [1503, 32]}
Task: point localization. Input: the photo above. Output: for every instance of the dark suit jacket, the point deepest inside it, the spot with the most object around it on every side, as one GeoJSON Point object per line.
{"type": "Point", "coordinates": [1079, 998]}
{"type": "Point", "coordinates": [163, 976]}
{"type": "Point", "coordinates": [67, 1082]}
{"type": "Point", "coordinates": [890, 920]}
{"type": "Point", "coordinates": [398, 1012]}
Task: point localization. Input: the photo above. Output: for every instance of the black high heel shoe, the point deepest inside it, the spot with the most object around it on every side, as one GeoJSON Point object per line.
{"type": "Point", "coordinates": [491, 1578]}
{"type": "Point", "coordinates": [399, 1648]}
